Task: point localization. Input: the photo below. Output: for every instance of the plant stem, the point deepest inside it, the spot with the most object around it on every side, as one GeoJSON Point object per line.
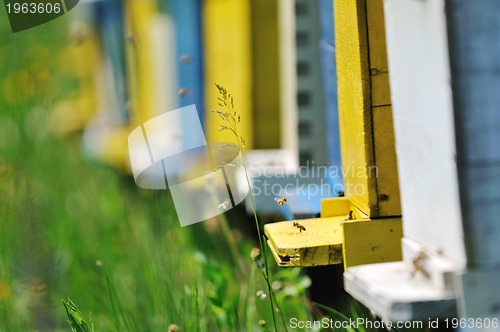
{"type": "Point", "coordinates": [262, 249]}
{"type": "Point", "coordinates": [233, 120]}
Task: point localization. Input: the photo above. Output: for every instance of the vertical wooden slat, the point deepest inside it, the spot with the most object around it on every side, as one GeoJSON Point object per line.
{"type": "Point", "coordinates": [423, 118]}
{"type": "Point", "coordinates": [365, 117]}
{"type": "Point", "coordinates": [288, 83]}
{"type": "Point", "coordinates": [188, 29]}
{"type": "Point", "coordinates": [379, 70]}
{"type": "Point", "coordinates": [266, 71]}
{"type": "Point", "coordinates": [139, 51]}
{"type": "Point", "coordinates": [371, 242]}
{"type": "Point", "coordinates": [354, 96]}
{"type": "Point", "coordinates": [227, 48]}
{"type": "Point", "coordinates": [473, 34]}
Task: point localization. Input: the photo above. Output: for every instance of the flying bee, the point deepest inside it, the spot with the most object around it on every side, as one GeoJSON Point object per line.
{"type": "Point", "coordinates": [300, 227]}
{"type": "Point", "coordinates": [280, 200]}
{"type": "Point", "coordinates": [186, 58]}
{"type": "Point", "coordinates": [224, 205]}
{"type": "Point", "coordinates": [183, 91]}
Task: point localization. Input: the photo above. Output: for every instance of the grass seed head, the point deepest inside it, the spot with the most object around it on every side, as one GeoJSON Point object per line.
{"type": "Point", "coordinates": [173, 328]}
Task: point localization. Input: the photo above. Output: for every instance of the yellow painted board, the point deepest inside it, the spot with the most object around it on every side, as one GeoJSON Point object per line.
{"type": "Point", "coordinates": [379, 69]}
{"type": "Point", "coordinates": [373, 241]}
{"type": "Point", "coordinates": [354, 102]}
{"type": "Point", "coordinates": [366, 130]}
{"type": "Point", "coordinates": [141, 68]}
{"type": "Point", "coordinates": [75, 114]}
{"type": "Point", "coordinates": [114, 148]}
{"type": "Point", "coordinates": [228, 61]}
{"type": "Point", "coordinates": [335, 206]}
{"type": "Point", "coordinates": [266, 75]}
{"type": "Point", "coordinates": [319, 244]}
{"type": "Point", "coordinates": [389, 203]}
{"type": "Point", "coordinates": [340, 206]}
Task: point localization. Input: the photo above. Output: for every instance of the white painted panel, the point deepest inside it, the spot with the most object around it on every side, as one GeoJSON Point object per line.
{"type": "Point", "coordinates": [288, 81]}
{"type": "Point", "coordinates": [390, 291]}
{"type": "Point", "coordinates": [424, 127]}
{"type": "Point", "coordinates": [162, 34]}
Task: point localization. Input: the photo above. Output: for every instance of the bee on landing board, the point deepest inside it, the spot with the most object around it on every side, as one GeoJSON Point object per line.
{"type": "Point", "coordinates": [351, 217]}
{"type": "Point", "coordinates": [418, 264]}
{"type": "Point", "coordinates": [299, 226]}
{"type": "Point", "coordinates": [280, 200]}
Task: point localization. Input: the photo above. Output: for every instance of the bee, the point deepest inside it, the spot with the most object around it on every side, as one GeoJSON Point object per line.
{"type": "Point", "coordinates": [183, 91]}
{"type": "Point", "coordinates": [351, 217]}
{"type": "Point", "coordinates": [280, 200]}
{"type": "Point", "coordinates": [186, 58]}
{"type": "Point", "coordinates": [418, 264]}
{"type": "Point", "coordinates": [224, 205]}
{"type": "Point", "coordinates": [37, 288]}
{"type": "Point", "coordinates": [78, 37]}
{"type": "Point", "coordinates": [299, 226]}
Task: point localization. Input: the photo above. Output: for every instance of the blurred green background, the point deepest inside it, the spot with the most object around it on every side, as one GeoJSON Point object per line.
{"type": "Point", "coordinates": [73, 227]}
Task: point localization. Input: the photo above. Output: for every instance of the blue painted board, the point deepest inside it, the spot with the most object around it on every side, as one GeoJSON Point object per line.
{"type": "Point", "coordinates": [189, 42]}
{"type": "Point", "coordinates": [330, 88]}
{"type": "Point", "coordinates": [326, 18]}
{"type": "Point", "coordinates": [111, 27]}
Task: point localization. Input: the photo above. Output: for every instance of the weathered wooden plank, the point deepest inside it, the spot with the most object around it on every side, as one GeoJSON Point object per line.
{"type": "Point", "coordinates": [393, 294]}
{"type": "Point", "coordinates": [373, 241]}
{"type": "Point", "coordinates": [424, 124]}
{"type": "Point", "coordinates": [365, 116]}
{"type": "Point", "coordinates": [327, 239]}
{"type": "Point", "coordinates": [319, 244]}
{"type": "Point", "coordinates": [266, 81]}
{"type": "Point", "coordinates": [354, 102]}
{"type": "Point", "coordinates": [388, 198]}
{"type": "Point", "coordinates": [379, 70]}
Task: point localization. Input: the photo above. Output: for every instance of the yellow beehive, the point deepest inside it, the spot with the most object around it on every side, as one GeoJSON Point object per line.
{"type": "Point", "coordinates": [367, 221]}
